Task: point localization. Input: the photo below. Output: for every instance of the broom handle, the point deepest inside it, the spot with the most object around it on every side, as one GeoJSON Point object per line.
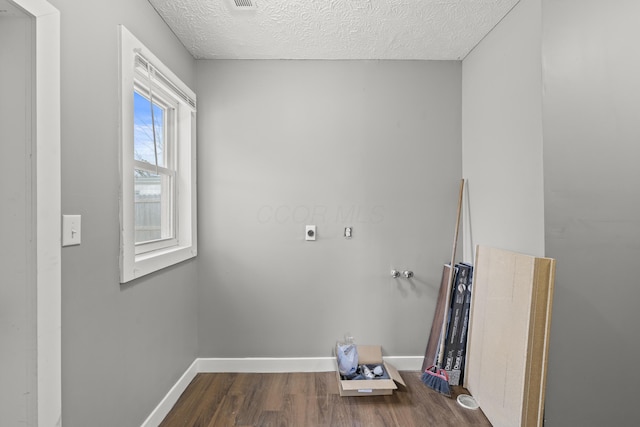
{"type": "Point", "coordinates": [443, 331]}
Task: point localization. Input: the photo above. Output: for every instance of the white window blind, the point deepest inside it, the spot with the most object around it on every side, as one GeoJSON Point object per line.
{"type": "Point", "coordinates": [146, 68]}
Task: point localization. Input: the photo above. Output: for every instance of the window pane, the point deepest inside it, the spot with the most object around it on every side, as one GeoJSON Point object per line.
{"type": "Point", "coordinates": [153, 206]}
{"type": "Point", "coordinates": [143, 131]}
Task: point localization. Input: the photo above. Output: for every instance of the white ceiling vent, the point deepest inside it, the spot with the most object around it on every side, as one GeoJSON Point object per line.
{"type": "Point", "coordinates": [360, 4]}
{"type": "Point", "coordinates": [243, 4]}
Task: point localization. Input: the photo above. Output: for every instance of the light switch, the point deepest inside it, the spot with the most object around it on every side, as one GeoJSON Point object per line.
{"type": "Point", "coordinates": [71, 230]}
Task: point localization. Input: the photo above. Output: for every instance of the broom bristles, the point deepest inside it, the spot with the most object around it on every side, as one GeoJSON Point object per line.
{"type": "Point", "coordinates": [437, 379]}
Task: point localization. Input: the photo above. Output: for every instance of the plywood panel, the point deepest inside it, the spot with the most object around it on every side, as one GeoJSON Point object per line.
{"type": "Point", "coordinates": [509, 335]}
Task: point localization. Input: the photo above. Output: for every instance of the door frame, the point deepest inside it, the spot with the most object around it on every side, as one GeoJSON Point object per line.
{"type": "Point", "coordinates": [48, 209]}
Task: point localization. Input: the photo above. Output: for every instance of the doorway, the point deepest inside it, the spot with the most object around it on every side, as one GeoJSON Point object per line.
{"type": "Point", "coordinates": [30, 353]}
{"type": "Point", "coordinates": [18, 358]}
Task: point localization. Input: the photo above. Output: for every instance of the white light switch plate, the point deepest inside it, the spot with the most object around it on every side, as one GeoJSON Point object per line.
{"type": "Point", "coordinates": [71, 230]}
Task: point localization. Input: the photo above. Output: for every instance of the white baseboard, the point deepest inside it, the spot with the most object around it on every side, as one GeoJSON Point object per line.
{"type": "Point", "coordinates": [293, 364]}
{"type": "Point", "coordinates": [405, 363]}
{"type": "Point", "coordinates": [259, 365]}
{"type": "Point", "coordinates": [266, 364]}
{"type": "Point", "coordinates": [165, 405]}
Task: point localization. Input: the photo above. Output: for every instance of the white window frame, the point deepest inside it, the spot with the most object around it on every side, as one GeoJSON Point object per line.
{"type": "Point", "coordinates": [155, 255]}
{"type": "Point", "coordinates": [168, 207]}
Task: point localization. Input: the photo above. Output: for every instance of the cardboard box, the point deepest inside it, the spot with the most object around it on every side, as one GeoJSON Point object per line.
{"type": "Point", "coordinates": [456, 343]}
{"type": "Point", "coordinates": [371, 354]}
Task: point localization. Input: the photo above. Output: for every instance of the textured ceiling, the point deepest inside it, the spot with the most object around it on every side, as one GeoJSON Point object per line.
{"type": "Point", "coordinates": [332, 29]}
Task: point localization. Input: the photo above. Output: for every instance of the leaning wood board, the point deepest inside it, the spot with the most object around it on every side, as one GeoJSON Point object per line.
{"type": "Point", "coordinates": [509, 335]}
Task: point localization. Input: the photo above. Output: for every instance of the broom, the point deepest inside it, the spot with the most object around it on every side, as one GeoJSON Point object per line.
{"type": "Point", "coordinates": [434, 376]}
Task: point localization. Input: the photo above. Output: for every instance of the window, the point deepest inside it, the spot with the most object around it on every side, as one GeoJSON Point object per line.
{"type": "Point", "coordinates": [157, 158]}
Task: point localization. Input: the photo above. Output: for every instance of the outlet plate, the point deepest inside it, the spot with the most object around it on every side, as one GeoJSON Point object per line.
{"type": "Point", "coordinates": [310, 233]}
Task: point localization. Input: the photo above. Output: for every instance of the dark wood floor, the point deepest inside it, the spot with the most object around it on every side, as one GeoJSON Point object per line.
{"type": "Point", "coordinates": [312, 400]}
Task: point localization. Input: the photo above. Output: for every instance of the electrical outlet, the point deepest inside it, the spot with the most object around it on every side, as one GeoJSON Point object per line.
{"type": "Point", "coordinates": [310, 232]}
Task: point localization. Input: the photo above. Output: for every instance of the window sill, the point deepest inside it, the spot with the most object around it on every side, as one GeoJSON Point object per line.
{"type": "Point", "coordinates": [157, 260]}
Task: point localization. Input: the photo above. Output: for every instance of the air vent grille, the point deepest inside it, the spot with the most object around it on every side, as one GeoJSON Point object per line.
{"type": "Point", "coordinates": [244, 4]}
{"type": "Point", "coordinates": [360, 4]}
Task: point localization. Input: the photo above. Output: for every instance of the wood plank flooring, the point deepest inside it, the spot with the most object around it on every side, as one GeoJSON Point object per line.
{"type": "Point", "coordinates": [312, 400]}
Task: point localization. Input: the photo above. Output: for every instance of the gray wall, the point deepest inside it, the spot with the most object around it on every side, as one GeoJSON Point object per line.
{"type": "Point", "coordinates": [591, 126]}
{"type": "Point", "coordinates": [592, 208]}
{"type": "Point", "coordinates": [123, 346]}
{"type": "Point", "coordinates": [18, 387]}
{"type": "Point", "coordinates": [373, 145]}
{"type": "Point", "coordinates": [502, 136]}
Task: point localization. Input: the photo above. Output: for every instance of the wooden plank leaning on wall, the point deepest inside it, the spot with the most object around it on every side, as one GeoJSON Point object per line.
{"type": "Point", "coordinates": [509, 335]}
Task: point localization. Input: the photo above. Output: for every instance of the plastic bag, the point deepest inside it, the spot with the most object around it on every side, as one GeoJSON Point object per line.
{"type": "Point", "coordinates": [347, 358]}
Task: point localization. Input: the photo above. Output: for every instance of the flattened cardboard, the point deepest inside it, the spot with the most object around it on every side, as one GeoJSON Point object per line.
{"type": "Point", "coordinates": [371, 354]}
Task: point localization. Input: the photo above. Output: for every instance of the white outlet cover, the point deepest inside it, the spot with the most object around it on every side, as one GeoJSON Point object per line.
{"type": "Point", "coordinates": [310, 232]}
